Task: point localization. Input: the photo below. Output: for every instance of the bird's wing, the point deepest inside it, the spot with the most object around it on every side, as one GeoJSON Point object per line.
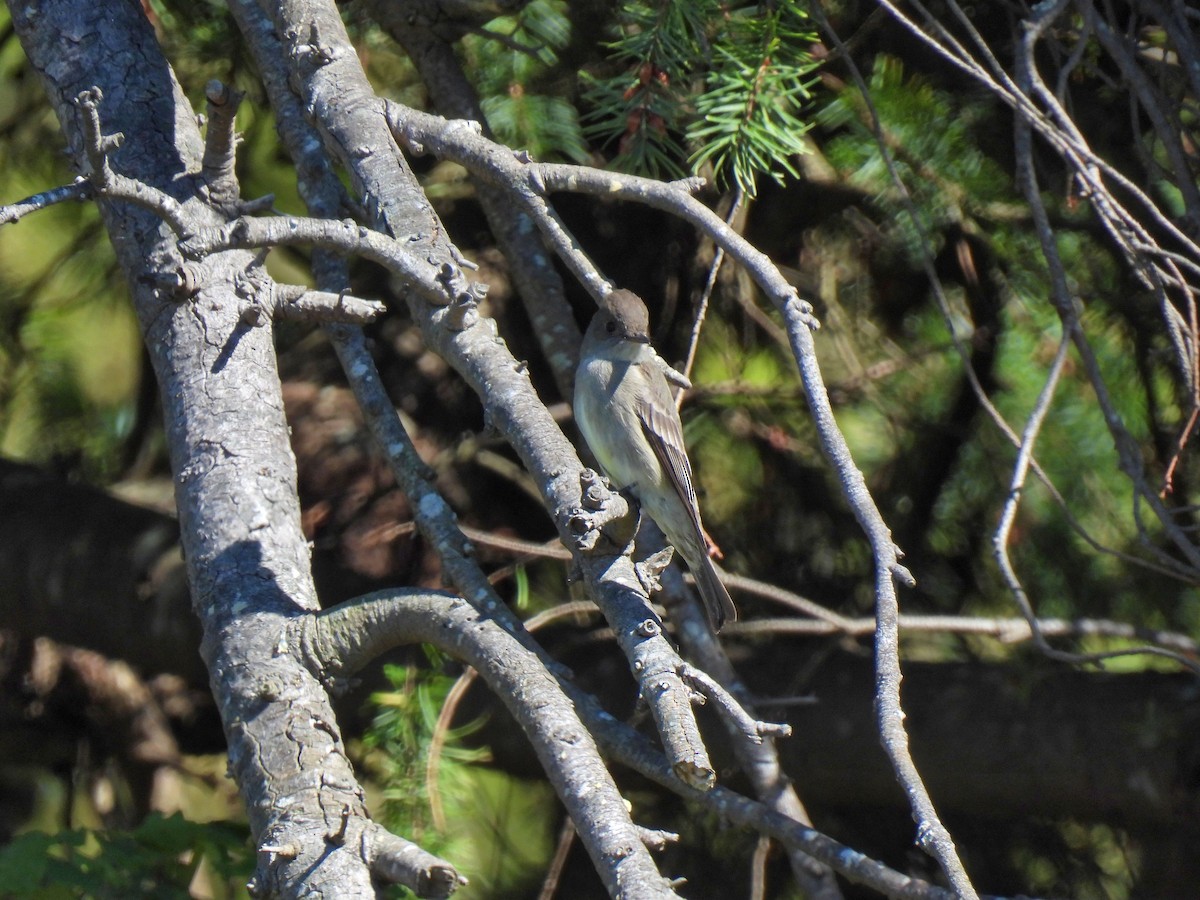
{"type": "Point", "coordinates": [663, 431]}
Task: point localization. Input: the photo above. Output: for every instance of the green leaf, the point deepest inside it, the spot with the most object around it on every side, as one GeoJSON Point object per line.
{"type": "Point", "coordinates": [24, 861]}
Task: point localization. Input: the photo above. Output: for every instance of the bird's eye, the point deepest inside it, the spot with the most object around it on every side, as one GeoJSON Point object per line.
{"type": "Point", "coordinates": [610, 326]}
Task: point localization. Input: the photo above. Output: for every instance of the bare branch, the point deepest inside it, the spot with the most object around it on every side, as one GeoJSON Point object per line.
{"type": "Point", "coordinates": [339, 641]}
{"type": "Point", "coordinates": [334, 85]}
{"type": "Point", "coordinates": [297, 302]}
{"type": "Point", "coordinates": [220, 148]}
{"type": "Point", "coordinates": [108, 183]}
{"type": "Point", "coordinates": [621, 743]}
{"type": "Point", "coordinates": [734, 713]}
{"type": "Point", "coordinates": [529, 182]}
{"type": "Point", "coordinates": [705, 295]}
{"type": "Point", "coordinates": [393, 860]}
{"type": "Point", "coordinates": [462, 143]}
{"type": "Point", "coordinates": [78, 191]}
{"type": "Point", "coordinates": [530, 265]}
{"type": "Point", "coordinates": [1008, 630]}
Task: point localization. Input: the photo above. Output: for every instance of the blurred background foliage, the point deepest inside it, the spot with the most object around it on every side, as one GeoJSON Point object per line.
{"type": "Point", "coordinates": [737, 92]}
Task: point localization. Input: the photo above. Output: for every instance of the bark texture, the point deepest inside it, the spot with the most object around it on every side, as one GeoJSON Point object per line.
{"type": "Point", "coordinates": [235, 476]}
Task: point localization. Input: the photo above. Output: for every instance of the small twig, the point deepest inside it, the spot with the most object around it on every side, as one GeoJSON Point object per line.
{"type": "Point", "coordinates": [393, 860]}
{"type": "Point", "coordinates": [78, 191]}
{"type": "Point", "coordinates": [785, 597]}
{"type": "Point", "coordinates": [220, 148]}
{"type": "Point", "coordinates": [1009, 631]}
{"type": "Point", "coordinates": [109, 184]}
{"type": "Point", "coordinates": [528, 549]}
{"type": "Point", "coordinates": [672, 375]}
{"type": "Point", "coordinates": [706, 294]}
{"type": "Point", "coordinates": [758, 868]}
{"type": "Point", "coordinates": [437, 741]}
{"type": "Point", "coordinates": [733, 712]}
{"type": "Point", "coordinates": [566, 839]}
{"type": "Point", "coordinates": [296, 302]}
{"type": "Point", "coordinates": [657, 840]}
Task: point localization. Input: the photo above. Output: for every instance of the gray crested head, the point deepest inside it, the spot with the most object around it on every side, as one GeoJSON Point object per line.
{"type": "Point", "coordinates": [622, 316]}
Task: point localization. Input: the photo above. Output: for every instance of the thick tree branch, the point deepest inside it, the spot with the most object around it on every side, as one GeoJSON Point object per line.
{"type": "Point", "coordinates": [624, 867]}
{"type": "Point", "coordinates": [333, 85]}
{"type": "Point", "coordinates": [340, 641]}
{"type": "Point", "coordinates": [247, 559]}
{"type": "Point", "coordinates": [530, 265]}
{"type": "Point", "coordinates": [468, 148]}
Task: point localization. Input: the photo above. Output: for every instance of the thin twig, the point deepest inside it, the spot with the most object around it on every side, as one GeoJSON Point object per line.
{"type": "Point", "coordinates": [77, 192]}
{"type": "Point", "coordinates": [758, 868]}
{"type": "Point", "coordinates": [706, 294]}
{"type": "Point", "coordinates": [1007, 630]}
{"type": "Point", "coordinates": [932, 835]}
{"type": "Point", "coordinates": [562, 849]}
{"type": "Point", "coordinates": [1008, 516]}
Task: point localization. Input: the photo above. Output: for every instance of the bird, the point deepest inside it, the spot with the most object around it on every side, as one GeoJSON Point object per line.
{"type": "Point", "coordinates": [627, 415]}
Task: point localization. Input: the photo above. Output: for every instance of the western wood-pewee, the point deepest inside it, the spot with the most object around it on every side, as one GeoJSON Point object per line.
{"type": "Point", "coordinates": [628, 417]}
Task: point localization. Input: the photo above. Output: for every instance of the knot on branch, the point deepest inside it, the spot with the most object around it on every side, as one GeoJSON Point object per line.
{"type": "Point", "coordinates": [803, 310]}
{"type": "Point", "coordinates": [594, 489]}
{"type": "Point", "coordinates": [693, 184]}
{"type": "Point", "coordinates": [462, 313]}
{"type": "Point", "coordinates": [649, 569]}
{"type": "Point", "coordinates": [463, 310]}
{"type": "Point", "coordinates": [254, 285]}
{"type": "Point", "coordinates": [603, 513]}
{"type": "Point", "coordinates": [451, 278]}
{"type": "Point", "coordinates": [694, 775]}
{"type": "Point", "coordinates": [471, 126]}
{"type": "Point", "coordinates": [649, 628]}
{"type": "Point", "coordinates": [313, 50]}
{"type": "Point", "coordinates": [185, 281]}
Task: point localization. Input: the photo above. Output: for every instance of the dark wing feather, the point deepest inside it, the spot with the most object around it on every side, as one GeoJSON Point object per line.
{"type": "Point", "coordinates": [663, 431]}
{"type": "Point", "coordinates": [660, 424]}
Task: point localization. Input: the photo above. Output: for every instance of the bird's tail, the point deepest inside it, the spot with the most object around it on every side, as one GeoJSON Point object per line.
{"type": "Point", "coordinates": [717, 602]}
